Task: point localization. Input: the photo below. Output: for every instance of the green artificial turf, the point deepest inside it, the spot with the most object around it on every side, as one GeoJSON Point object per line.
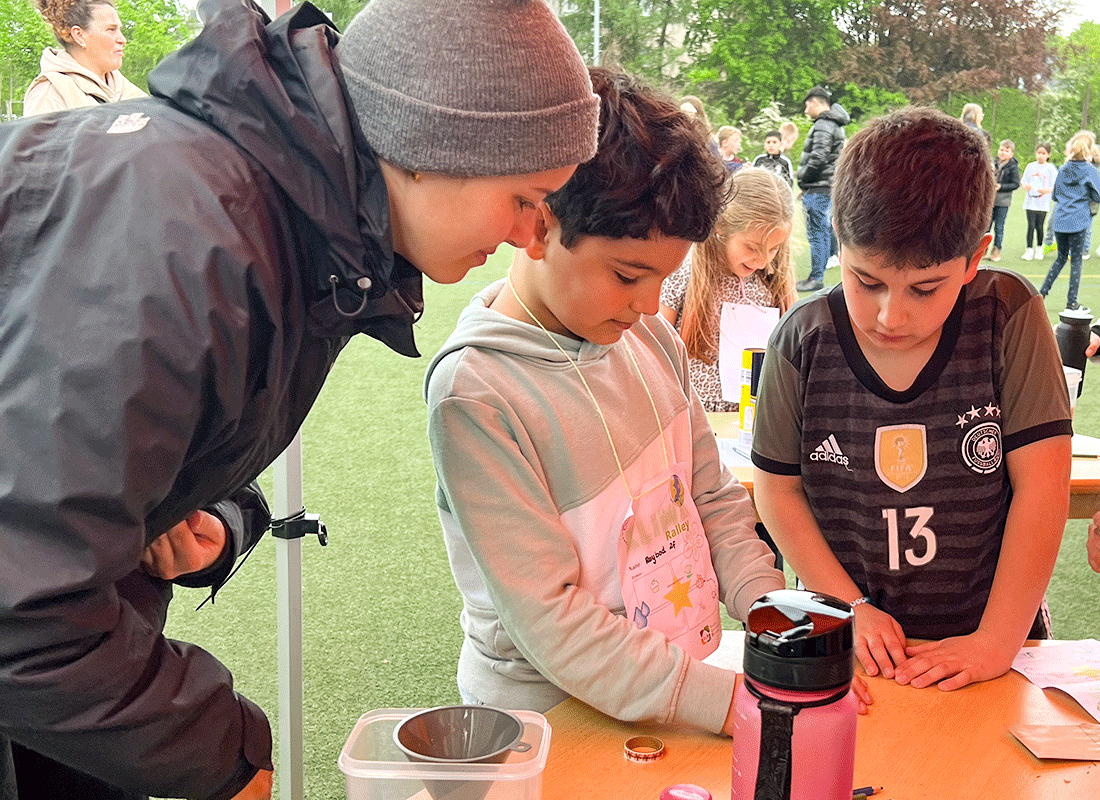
{"type": "Point", "coordinates": [380, 607]}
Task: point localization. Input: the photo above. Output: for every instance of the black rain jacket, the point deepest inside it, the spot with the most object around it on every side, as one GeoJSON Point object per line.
{"type": "Point", "coordinates": [822, 147]}
{"type": "Point", "coordinates": [1008, 176]}
{"type": "Point", "coordinates": [177, 275]}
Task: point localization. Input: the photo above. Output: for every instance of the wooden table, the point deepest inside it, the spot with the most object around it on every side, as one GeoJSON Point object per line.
{"type": "Point", "coordinates": [1084, 481]}
{"type": "Point", "coordinates": [919, 744]}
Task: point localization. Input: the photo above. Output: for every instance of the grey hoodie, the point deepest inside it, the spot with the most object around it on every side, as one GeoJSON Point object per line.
{"type": "Point", "coordinates": [532, 503]}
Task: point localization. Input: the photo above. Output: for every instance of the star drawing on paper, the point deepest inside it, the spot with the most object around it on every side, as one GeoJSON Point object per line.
{"type": "Point", "coordinates": [678, 596]}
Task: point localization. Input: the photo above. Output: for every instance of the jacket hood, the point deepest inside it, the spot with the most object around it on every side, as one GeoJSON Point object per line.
{"type": "Point", "coordinates": [275, 89]}
{"type": "Point", "coordinates": [59, 62]}
{"type": "Point", "coordinates": [1074, 172]}
{"type": "Point", "coordinates": [479, 326]}
{"type": "Point", "coordinates": [837, 114]}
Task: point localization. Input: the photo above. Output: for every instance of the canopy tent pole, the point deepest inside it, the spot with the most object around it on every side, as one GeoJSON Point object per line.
{"type": "Point", "coordinates": [287, 502]}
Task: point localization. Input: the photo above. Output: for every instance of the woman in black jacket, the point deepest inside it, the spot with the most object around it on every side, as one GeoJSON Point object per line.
{"type": "Point", "coordinates": [177, 276]}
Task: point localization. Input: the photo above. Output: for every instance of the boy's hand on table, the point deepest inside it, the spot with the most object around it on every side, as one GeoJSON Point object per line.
{"type": "Point", "coordinates": [190, 546]}
{"type": "Point", "coordinates": [863, 693]}
{"type": "Point", "coordinates": [956, 662]}
{"type": "Point", "coordinates": [879, 641]}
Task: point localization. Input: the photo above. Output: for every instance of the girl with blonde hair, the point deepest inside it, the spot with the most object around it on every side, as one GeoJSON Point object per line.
{"type": "Point", "coordinates": [746, 259]}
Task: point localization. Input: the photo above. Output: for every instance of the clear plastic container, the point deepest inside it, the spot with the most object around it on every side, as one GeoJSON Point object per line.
{"type": "Point", "coordinates": [375, 769]}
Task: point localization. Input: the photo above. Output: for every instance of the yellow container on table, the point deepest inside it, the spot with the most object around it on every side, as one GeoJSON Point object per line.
{"type": "Point", "coordinates": [751, 361]}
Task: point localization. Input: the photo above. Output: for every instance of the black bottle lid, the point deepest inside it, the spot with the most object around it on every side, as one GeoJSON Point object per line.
{"type": "Point", "coordinates": [799, 640]}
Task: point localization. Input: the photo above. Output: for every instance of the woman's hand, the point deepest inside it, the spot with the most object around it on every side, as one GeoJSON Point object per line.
{"type": "Point", "coordinates": [879, 641]}
{"type": "Point", "coordinates": [190, 546]}
{"type": "Point", "coordinates": [259, 788]}
{"type": "Point", "coordinates": [958, 661]}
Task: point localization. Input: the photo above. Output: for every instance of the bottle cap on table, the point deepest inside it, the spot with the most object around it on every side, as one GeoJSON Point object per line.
{"type": "Point", "coordinates": [685, 791]}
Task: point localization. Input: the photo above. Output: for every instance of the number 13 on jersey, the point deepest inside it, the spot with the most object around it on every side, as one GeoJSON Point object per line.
{"type": "Point", "coordinates": [918, 530]}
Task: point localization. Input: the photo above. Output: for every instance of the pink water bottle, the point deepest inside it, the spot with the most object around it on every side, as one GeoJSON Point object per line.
{"type": "Point", "coordinates": [794, 732]}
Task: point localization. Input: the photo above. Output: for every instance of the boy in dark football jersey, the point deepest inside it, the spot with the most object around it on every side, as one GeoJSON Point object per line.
{"type": "Point", "coordinates": [912, 438]}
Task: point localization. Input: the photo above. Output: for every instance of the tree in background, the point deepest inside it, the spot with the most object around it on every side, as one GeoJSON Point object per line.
{"type": "Point", "coordinates": [1080, 77]}
{"type": "Point", "coordinates": [153, 29]}
{"type": "Point", "coordinates": [340, 11]}
{"type": "Point", "coordinates": [747, 53]}
{"type": "Point", "coordinates": [23, 35]}
{"type": "Point", "coordinates": [642, 37]}
{"type": "Point", "coordinates": [931, 49]}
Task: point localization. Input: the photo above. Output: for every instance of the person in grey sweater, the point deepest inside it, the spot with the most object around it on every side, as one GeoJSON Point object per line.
{"type": "Point", "coordinates": [565, 432]}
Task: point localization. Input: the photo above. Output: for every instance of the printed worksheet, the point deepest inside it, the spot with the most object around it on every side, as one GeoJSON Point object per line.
{"type": "Point", "coordinates": [1073, 667]}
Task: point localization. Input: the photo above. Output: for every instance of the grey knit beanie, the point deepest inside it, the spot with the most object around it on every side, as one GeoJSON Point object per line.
{"type": "Point", "coordinates": [469, 87]}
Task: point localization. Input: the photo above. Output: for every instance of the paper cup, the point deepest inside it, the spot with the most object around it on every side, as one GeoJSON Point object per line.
{"type": "Point", "coordinates": [1073, 384]}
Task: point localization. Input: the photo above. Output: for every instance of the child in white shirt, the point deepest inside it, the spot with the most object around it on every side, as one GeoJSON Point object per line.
{"type": "Point", "coordinates": [1037, 183]}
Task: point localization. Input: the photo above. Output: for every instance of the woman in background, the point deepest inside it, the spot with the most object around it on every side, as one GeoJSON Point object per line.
{"type": "Point", "coordinates": [693, 107]}
{"type": "Point", "coordinates": [85, 72]}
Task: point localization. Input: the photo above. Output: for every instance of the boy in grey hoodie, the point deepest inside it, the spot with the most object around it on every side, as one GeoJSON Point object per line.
{"type": "Point", "coordinates": [572, 453]}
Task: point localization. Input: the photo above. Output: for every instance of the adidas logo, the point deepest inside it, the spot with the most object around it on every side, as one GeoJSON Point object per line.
{"type": "Point", "coordinates": [829, 450]}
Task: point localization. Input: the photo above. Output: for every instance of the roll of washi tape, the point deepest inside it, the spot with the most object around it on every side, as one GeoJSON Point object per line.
{"type": "Point", "coordinates": [643, 748]}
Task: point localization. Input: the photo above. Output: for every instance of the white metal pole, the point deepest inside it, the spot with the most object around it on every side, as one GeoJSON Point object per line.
{"type": "Point", "coordinates": [288, 575]}
{"type": "Point", "coordinates": [288, 571]}
{"type": "Point", "coordinates": [596, 35]}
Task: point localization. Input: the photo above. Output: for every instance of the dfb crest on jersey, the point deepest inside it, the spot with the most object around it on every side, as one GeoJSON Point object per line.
{"type": "Point", "coordinates": [901, 455]}
{"type": "Point", "coordinates": [981, 447]}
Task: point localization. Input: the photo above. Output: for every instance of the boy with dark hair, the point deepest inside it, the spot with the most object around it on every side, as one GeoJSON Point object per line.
{"type": "Point", "coordinates": [912, 437]}
{"type": "Point", "coordinates": [590, 524]}
{"type": "Point", "coordinates": [773, 159]}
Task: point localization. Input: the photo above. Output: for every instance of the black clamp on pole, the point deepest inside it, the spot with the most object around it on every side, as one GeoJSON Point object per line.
{"type": "Point", "coordinates": [300, 525]}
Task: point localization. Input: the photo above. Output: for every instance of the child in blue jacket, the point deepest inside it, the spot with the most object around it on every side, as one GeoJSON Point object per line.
{"type": "Point", "coordinates": [1077, 185]}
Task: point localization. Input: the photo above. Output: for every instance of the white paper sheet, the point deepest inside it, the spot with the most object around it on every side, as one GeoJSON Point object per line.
{"type": "Point", "coordinates": [743, 326]}
{"type": "Point", "coordinates": [1072, 667]}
